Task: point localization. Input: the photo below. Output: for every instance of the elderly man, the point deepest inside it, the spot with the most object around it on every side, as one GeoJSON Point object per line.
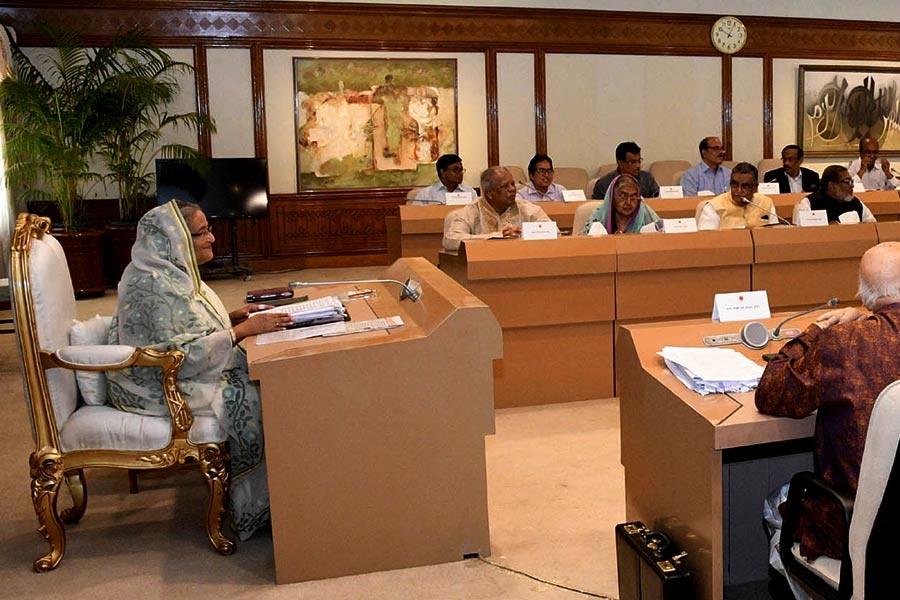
{"type": "Point", "coordinates": [874, 173]}
{"type": "Point", "coordinates": [499, 214]}
{"type": "Point", "coordinates": [741, 207]}
{"type": "Point", "coordinates": [708, 175]}
{"type": "Point", "coordinates": [450, 173]}
{"type": "Point", "coordinates": [628, 162]}
{"type": "Point", "coordinates": [541, 188]}
{"type": "Point", "coordinates": [835, 196]}
{"type": "Point", "coordinates": [839, 365]}
{"type": "Point", "coordinates": [793, 178]}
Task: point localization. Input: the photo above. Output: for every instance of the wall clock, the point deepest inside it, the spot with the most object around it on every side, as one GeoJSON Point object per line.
{"type": "Point", "coordinates": [728, 35]}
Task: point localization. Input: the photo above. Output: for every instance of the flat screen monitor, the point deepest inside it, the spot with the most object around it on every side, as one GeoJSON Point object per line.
{"type": "Point", "coordinates": [225, 188]}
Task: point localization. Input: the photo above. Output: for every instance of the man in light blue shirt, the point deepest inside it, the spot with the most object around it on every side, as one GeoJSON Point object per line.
{"type": "Point", "coordinates": [450, 173]}
{"type": "Point", "coordinates": [709, 175]}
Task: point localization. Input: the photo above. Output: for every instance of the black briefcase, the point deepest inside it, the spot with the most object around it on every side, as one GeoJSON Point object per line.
{"type": "Point", "coordinates": [650, 566]}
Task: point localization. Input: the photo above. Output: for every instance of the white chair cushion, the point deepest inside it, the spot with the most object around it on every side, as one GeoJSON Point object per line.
{"type": "Point", "coordinates": [93, 332]}
{"type": "Point", "coordinates": [105, 427]}
{"type": "Point", "coordinates": [828, 569]}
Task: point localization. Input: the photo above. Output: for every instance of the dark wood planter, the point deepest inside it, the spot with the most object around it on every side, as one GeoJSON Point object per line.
{"type": "Point", "coordinates": [84, 254]}
{"type": "Point", "coordinates": [119, 240]}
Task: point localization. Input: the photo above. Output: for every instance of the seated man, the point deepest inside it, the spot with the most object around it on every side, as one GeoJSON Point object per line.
{"type": "Point", "coordinates": [498, 214]}
{"type": "Point", "coordinates": [628, 162]}
{"type": "Point", "coordinates": [739, 208]}
{"type": "Point", "coordinates": [450, 173]}
{"type": "Point", "coordinates": [874, 173]}
{"type": "Point", "coordinates": [541, 188]}
{"type": "Point", "coordinates": [839, 365]}
{"type": "Point", "coordinates": [708, 175]}
{"type": "Point", "coordinates": [835, 195]}
{"type": "Point", "coordinates": [793, 178]}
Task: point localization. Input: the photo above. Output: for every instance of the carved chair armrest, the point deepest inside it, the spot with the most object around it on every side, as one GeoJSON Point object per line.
{"type": "Point", "coordinates": [113, 357]}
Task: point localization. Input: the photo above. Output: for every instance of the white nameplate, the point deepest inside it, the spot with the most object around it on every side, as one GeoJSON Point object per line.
{"type": "Point", "coordinates": [858, 187]}
{"type": "Point", "coordinates": [539, 230]}
{"type": "Point", "coordinates": [849, 218]}
{"type": "Point", "coordinates": [812, 218]}
{"type": "Point", "coordinates": [573, 196]}
{"type": "Point", "coordinates": [679, 225]}
{"type": "Point", "coordinates": [704, 193]}
{"type": "Point", "coordinates": [597, 229]}
{"type": "Point", "coordinates": [671, 191]}
{"type": "Point", "coordinates": [456, 198]}
{"type": "Point", "coordinates": [767, 189]}
{"type": "Point", "coordinates": [741, 306]}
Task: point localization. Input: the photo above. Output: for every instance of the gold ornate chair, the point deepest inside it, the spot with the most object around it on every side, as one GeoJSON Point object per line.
{"type": "Point", "coordinates": [75, 430]}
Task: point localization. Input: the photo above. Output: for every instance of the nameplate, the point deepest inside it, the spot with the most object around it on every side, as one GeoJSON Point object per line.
{"type": "Point", "coordinates": [671, 191]}
{"type": "Point", "coordinates": [597, 229]}
{"type": "Point", "coordinates": [704, 193]}
{"type": "Point", "coordinates": [858, 187]}
{"type": "Point", "coordinates": [812, 218]}
{"type": "Point", "coordinates": [456, 198]}
{"type": "Point", "coordinates": [767, 189]}
{"type": "Point", "coordinates": [539, 230]}
{"type": "Point", "coordinates": [741, 306]}
{"type": "Point", "coordinates": [573, 196]}
{"type": "Point", "coordinates": [849, 218]}
{"type": "Point", "coordinates": [679, 225]}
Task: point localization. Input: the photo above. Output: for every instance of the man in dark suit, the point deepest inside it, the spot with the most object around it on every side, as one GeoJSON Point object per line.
{"type": "Point", "coordinates": [793, 177]}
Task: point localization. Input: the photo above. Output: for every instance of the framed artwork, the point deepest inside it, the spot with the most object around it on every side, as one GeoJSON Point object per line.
{"type": "Point", "coordinates": [372, 123]}
{"type": "Point", "coordinates": [837, 106]}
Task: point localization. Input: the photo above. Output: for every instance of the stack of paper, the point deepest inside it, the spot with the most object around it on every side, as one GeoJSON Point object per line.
{"type": "Point", "coordinates": [328, 309]}
{"type": "Point", "coordinates": [712, 370]}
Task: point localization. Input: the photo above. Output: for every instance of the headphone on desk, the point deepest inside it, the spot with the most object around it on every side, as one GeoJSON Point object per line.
{"type": "Point", "coordinates": [756, 335]}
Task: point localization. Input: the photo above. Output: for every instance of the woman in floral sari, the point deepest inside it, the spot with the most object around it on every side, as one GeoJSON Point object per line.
{"type": "Point", "coordinates": [163, 304]}
{"type": "Point", "coordinates": [622, 209]}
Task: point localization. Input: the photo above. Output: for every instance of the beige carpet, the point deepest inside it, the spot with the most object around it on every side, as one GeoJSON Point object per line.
{"type": "Point", "coordinates": [555, 486]}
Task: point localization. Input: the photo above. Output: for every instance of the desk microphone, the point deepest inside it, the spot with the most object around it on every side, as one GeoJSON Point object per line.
{"type": "Point", "coordinates": [830, 304]}
{"type": "Point", "coordinates": [894, 171]}
{"type": "Point", "coordinates": [411, 289]}
{"type": "Point", "coordinates": [766, 211]}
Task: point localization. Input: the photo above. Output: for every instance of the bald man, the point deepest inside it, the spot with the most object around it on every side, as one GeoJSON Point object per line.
{"type": "Point", "coordinates": [839, 365]}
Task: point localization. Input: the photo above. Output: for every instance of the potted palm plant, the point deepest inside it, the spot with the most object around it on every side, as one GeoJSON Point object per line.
{"type": "Point", "coordinates": [143, 91]}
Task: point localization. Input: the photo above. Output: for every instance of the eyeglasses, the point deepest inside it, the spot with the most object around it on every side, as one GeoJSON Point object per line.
{"type": "Point", "coordinates": [742, 186]}
{"type": "Point", "coordinates": [543, 171]}
{"type": "Point", "coordinates": [715, 148]}
{"type": "Point", "coordinates": [634, 161]}
{"type": "Point", "coordinates": [845, 181]}
{"type": "Point", "coordinates": [456, 169]}
{"type": "Point", "coordinates": [628, 196]}
{"type": "Point", "coordinates": [203, 232]}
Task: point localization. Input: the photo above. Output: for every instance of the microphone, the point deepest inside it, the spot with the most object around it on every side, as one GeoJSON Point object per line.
{"type": "Point", "coordinates": [831, 303]}
{"type": "Point", "coordinates": [894, 171]}
{"type": "Point", "coordinates": [411, 289]}
{"type": "Point", "coordinates": [765, 211]}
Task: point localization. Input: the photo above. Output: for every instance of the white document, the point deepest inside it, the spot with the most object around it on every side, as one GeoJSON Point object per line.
{"type": "Point", "coordinates": [457, 198]}
{"type": "Point", "coordinates": [769, 189]}
{"type": "Point", "coordinates": [849, 218]}
{"type": "Point", "coordinates": [540, 230]}
{"type": "Point", "coordinates": [671, 191]}
{"type": "Point", "coordinates": [741, 306]}
{"type": "Point", "coordinates": [328, 330]}
{"type": "Point", "coordinates": [573, 196]}
{"type": "Point", "coordinates": [712, 370]}
{"type": "Point", "coordinates": [597, 229]}
{"type": "Point", "coordinates": [704, 193]}
{"type": "Point", "coordinates": [812, 218]}
{"type": "Point", "coordinates": [679, 225]}
{"type": "Point", "coordinates": [858, 187]}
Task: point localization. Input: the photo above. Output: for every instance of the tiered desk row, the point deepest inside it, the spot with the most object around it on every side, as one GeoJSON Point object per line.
{"type": "Point", "coordinates": [559, 301]}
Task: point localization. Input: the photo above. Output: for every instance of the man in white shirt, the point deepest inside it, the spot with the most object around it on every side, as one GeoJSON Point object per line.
{"type": "Point", "coordinates": [450, 173]}
{"type": "Point", "coordinates": [874, 173]}
{"type": "Point", "coordinates": [793, 178]}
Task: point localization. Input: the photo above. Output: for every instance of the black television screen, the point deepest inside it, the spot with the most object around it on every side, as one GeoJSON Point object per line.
{"type": "Point", "coordinates": [230, 188]}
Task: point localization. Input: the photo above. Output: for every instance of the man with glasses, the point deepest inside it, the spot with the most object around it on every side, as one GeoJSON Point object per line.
{"type": "Point", "coordinates": [541, 188]}
{"type": "Point", "coordinates": [874, 173]}
{"type": "Point", "coordinates": [740, 207]}
{"type": "Point", "coordinates": [628, 162]}
{"type": "Point", "coordinates": [709, 175]}
{"type": "Point", "coordinates": [835, 195]}
{"type": "Point", "coordinates": [450, 173]}
{"type": "Point", "coordinates": [793, 178]}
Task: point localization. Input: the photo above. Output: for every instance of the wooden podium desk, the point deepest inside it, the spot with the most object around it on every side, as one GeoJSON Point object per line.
{"type": "Point", "coordinates": [805, 266]}
{"type": "Point", "coordinates": [555, 300]}
{"type": "Point", "coordinates": [375, 441]}
{"type": "Point", "coordinates": [698, 467]}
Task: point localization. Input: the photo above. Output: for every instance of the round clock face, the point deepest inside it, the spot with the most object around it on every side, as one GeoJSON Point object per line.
{"type": "Point", "coordinates": [728, 35]}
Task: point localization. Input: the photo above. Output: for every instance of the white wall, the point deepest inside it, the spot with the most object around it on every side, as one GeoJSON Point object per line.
{"type": "Point", "coordinates": [231, 102]}
{"type": "Point", "coordinates": [515, 108]}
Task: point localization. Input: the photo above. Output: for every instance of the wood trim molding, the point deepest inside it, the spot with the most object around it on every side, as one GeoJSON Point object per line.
{"type": "Point", "coordinates": [493, 119]}
{"type": "Point", "coordinates": [727, 107]}
{"type": "Point", "coordinates": [258, 83]}
{"type": "Point", "coordinates": [768, 108]}
{"type": "Point", "coordinates": [201, 81]}
{"type": "Point", "coordinates": [540, 102]}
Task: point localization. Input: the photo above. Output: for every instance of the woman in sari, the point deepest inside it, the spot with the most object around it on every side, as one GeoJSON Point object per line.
{"type": "Point", "coordinates": [622, 210]}
{"type": "Point", "coordinates": [163, 304]}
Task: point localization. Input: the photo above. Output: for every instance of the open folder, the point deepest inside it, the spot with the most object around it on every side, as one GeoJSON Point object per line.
{"type": "Point", "coordinates": [328, 309]}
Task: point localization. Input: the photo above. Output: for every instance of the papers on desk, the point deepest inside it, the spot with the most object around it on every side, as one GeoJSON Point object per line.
{"type": "Point", "coordinates": [327, 309]}
{"type": "Point", "coordinates": [712, 370]}
{"type": "Point", "coordinates": [328, 330]}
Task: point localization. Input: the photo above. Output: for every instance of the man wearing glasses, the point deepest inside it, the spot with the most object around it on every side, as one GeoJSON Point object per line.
{"type": "Point", "coordinates": [835, 195]}
{"type": "Point", "coordinates": [628, 162]}
{"type": "Point", "coordinates": [739, 208]}
{"type": "Point", "coordinates": [874, 173]}
{"type": "Point", "coordinates": [450, 173]}
{"type": "Point", "coordinates": [541, 188]}
{"type": "Point", "coordinates": [709, 175]}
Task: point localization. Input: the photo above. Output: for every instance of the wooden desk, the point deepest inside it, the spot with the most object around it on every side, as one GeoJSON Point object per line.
{"type": "Point", "coordinates": [698, 467]}
{"type": "Point", "coordinates": [555, 300]}
{"type": "Point", "coordinates": [375, 441]}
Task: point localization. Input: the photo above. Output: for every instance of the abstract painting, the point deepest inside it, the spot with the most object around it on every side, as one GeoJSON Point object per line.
{"type": "Point", "coordinates": [838, 106]}
{"type": "Point", "coordinates": [372, 123]}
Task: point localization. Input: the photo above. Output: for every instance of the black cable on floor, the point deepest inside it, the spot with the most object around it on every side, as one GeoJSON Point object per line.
{"type": "Point", "coordinates": [538, 579]}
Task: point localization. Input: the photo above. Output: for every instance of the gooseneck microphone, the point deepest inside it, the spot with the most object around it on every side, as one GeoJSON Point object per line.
{"type": "Point", "coordinates": [765, 210]}
{"type": "Point", "coordinates": [830, 304]}
{"type": "Point", "coordinates": [411, 289]}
